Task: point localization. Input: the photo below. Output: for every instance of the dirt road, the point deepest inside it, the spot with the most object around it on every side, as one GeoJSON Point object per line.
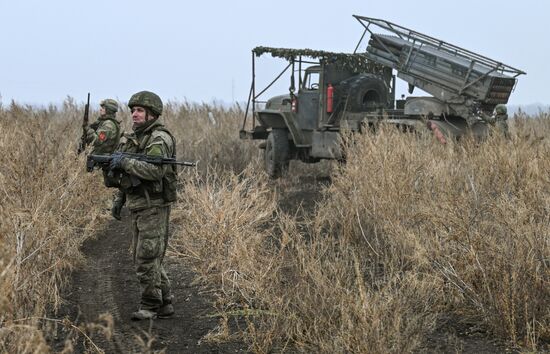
{"type": "Point", "coordinates": [107, 284]}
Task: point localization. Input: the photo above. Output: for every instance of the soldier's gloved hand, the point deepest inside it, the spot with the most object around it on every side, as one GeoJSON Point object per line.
{"type": "Point", "coordinates": [116, 162]}
{"type": "Point", "coordinates": [116, 209]}
{"type": "Point", "coordinates": [90, 134]}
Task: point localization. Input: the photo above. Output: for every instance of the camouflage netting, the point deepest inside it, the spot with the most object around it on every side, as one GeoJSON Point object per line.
{"type": "Point", "coordinates": [354, 62]}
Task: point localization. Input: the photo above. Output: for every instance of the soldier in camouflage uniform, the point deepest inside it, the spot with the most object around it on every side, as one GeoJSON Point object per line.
{"type": "Point", "coordinates": [148, 206]}
{"type": "Point", "coordinates": [499, 119]}
{"type": "Point", "coordinates": [104, 134]}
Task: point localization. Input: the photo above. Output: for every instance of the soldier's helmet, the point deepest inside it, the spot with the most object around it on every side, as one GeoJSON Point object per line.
{"type": "Point", "coordinates": [148, 100]}
{"type": "Point", "coordinates": [501, 109]}
{"type": "Point", "coordinates": [110, 105]}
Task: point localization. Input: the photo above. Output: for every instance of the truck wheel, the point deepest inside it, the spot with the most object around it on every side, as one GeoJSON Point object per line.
{"type": "Point", "coordinates": [276, 153]}
{"type": "Point", "coordinates": [365, 92]}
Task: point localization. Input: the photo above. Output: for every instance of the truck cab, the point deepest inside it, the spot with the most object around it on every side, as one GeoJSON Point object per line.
{"type": "Point", "coordinates": [304, 124]}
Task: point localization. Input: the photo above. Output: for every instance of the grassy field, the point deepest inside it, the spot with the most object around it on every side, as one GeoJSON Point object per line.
{"type": "Point", "coordinates": [49, 207]}
{"type": "Point", "coordinates": [408, 239]}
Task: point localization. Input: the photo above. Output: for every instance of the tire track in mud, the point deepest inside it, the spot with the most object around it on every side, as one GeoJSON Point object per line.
{"type": "Point", "coordinates": [105, 292]}
{"type": "Point", "coordinates": [300, 196]}
{"type": "Point", "coordinates": [106, 284]}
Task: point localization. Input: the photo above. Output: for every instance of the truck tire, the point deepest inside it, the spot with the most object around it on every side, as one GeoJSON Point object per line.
{"type": "Point", "coordinates": [363, 93]}
{"type": "Point", "coordinates": [276, 153]}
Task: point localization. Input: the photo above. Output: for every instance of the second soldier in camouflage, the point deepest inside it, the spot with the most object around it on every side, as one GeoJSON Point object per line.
{"type": "Point", "coordinates": [104, 134]}
{"type": "Point", "coordinates": [499, 120]}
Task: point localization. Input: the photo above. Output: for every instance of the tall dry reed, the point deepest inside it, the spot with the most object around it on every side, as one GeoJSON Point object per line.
{"type": "Point", "coordinates": [474, 216]}
{"type": "Point", "coordinates": [409, 233]}
{"type": "Point", "coordinates": [209, 134]}
{"type": "Point", "coordinates": [50, 205]}
{"type": "Point", "coordinates": [46, 213]}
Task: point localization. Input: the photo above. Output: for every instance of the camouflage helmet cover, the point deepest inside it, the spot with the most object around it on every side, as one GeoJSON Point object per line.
{"type": "Point", "coordinates": [501, 109]}
{"type": "Point", "coordinates": [110, 105]}
{"type": "Point", "coordinates": [148, 100]}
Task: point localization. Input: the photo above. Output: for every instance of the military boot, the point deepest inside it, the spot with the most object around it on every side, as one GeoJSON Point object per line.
{"type": "Point", "coordinates": [143, 314]}
{"type": "Point", "coordinates": [167, 309]}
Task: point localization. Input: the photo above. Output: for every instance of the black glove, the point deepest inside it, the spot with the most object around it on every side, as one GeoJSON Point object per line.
{"type": "Point", "coordinates": [116, 162]}
{"type": "Point", "coordinates": [117, 208]}
{"type": "Point", "coordinates": [95, 125]}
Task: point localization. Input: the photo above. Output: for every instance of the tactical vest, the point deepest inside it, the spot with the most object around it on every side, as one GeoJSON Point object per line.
{"type": "Point", "coordinates": [167, 187]}
{"type": "Point", "coordinates": [170, 179]}
{"type": "Point", "coordinates": [95, 126]}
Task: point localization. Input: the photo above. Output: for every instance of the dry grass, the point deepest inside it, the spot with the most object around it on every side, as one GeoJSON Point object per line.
{"type": "Point", "coordinates": [474, 217]}
{"type": "Point", "coordinates": [50, 205]}
{"type": "Point", "coordinates": [46, 213]}
{"type": "Point", "coordinates": [407, 234]}
{"type": "Point", "coordinates": [209, 134]}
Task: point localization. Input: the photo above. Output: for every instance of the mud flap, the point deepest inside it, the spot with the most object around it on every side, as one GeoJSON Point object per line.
{"type": "Point", "coordinates": [326, 145]}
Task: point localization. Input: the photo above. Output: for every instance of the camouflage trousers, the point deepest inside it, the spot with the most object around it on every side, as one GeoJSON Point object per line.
{"type": "Point", "coordinates": [502, 128]}
{"type": "Point", "coordinates": [150, 239]}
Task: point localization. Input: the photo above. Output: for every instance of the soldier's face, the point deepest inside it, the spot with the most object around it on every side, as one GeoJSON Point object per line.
{"type": "Point", "coordinates": [102, 111]}
{"type": "Point", "coordinates": [139, 115]}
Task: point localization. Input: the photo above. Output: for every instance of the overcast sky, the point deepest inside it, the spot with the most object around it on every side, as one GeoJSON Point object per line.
{"type": "Point", "coordinates": [200, 50]}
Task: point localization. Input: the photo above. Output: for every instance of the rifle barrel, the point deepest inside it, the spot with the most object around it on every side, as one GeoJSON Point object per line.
{"type": "Point", "coordinates": [96, 160]}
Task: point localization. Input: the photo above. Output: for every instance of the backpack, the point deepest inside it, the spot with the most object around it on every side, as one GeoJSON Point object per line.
{"type": "Point", "coordinates": [170, 179]}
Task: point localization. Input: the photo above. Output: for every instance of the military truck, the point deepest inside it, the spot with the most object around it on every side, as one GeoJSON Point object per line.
{"type": "Point", "coordinates": [357, 91]}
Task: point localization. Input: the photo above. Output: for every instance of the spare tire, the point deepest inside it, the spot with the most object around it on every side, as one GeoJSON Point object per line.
{"type": "Point", "coordinates": [363, 93]}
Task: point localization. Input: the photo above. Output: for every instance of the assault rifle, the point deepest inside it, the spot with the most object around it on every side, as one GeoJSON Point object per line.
{"type": "Point", "coordinates": [103, 161]}
{"type": "Point", "coordinates": [82, 144]}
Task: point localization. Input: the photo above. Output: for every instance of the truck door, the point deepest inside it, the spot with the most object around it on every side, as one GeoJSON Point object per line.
{"type": "Point", "coordinates": [308, 101]}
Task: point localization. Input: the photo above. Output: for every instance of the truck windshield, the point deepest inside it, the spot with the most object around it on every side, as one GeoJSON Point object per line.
{"type": "Point", "coordinates": [311, 81]}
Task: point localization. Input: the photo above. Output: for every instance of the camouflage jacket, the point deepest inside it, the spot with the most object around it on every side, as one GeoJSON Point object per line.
{"type": "Point", "coordinates": [153, 140]}
{"type": "Point", "coordinates": [498, 121]}
{"type": "Point", "coordinates": [104, 135]}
